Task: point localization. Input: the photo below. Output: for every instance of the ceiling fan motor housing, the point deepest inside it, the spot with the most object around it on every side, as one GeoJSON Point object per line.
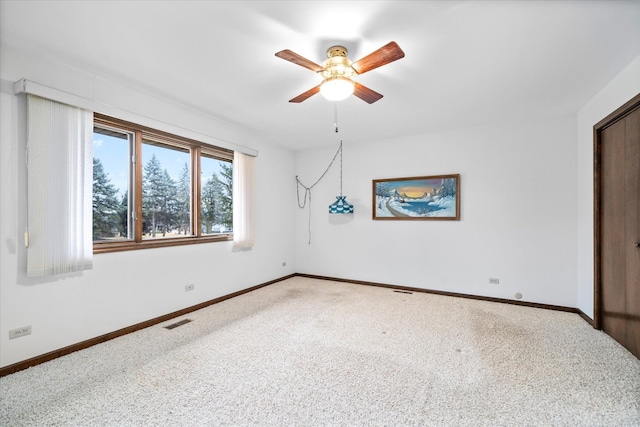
{"type": "Point", "coordinates": [337, 51]}
{"type": "Point", "coordinates": [337, 63]}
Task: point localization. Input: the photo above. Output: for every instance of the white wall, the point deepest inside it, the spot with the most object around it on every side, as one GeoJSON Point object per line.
{"type": "Point", "coordinates": [126, 288]}
{"type": "Point", "coordinates": [518, 210]}
{"type": "Point", "coordinates": [620, 90]}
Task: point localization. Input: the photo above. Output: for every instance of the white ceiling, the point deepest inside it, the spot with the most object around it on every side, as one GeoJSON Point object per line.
{"type": "Point", "coordinates": [467, 63]}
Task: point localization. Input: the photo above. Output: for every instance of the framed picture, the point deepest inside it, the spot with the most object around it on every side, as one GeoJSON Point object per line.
{"type": "Point", "coordinates": [417, 198]}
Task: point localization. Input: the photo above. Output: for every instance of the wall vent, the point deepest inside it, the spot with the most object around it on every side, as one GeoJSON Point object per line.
{"type": "Point", "coordinates": [180, 323]}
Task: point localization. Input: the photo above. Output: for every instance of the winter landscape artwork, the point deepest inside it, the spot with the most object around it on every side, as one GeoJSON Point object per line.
{"type": "Point", "coordinates": [417, 198]}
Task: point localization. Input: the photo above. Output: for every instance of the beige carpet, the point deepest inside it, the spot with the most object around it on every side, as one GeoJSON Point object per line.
{"type": "Point", "coordinates": [306, 352]}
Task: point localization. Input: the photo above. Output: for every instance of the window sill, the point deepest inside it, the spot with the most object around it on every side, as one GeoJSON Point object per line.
{"type": "Point", "coordinates": [130, 245]}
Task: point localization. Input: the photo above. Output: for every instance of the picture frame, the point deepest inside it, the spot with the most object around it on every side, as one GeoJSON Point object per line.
{"type": "Point", "coordinates": [418, 198]}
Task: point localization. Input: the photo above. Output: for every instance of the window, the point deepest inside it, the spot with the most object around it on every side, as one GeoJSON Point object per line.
{"type": "Point", "coordinates": [154, 189]}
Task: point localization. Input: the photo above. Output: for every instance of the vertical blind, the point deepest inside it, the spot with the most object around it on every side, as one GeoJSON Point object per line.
{"type": "Point", "coordinates": [59, 186]}
{"type": "Point", "coordinates": [243, 183]}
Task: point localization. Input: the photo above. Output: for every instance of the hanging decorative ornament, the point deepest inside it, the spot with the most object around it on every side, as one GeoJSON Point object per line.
{"type": "Point", "coordinates": [341, 206]}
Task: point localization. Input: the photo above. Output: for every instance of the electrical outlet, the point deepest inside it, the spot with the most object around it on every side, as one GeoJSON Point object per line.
{"type": "Point", "coordinates": [19, 332]}
{"type": "Point", "coordinates": [494, 280]}
{"type": "Point", "coordinates": [189, 287]}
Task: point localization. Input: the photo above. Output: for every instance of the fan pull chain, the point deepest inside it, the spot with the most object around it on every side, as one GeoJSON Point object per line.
{"type": "Point", "coordinates": [307, 190]}
{"type": "Point", "coordinates": [335, 118]}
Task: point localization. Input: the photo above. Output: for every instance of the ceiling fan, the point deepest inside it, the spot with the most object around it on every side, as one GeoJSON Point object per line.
{"type": "Point", "coordinates": [337, 72]}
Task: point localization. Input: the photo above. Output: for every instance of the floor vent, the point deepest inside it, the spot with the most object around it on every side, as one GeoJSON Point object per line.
{"type": "Point", "coordinates": [403, 292]}
{"type": "Point", "coordinates": [180, 323]}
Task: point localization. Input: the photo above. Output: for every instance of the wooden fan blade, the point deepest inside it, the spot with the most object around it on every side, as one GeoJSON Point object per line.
{"type": "Point", "coordinates": [290, 56]}
{"type": "Point", "coordinates": [305, 95]}
{"type": "Point", "coordinates": [366, 94]}
{"type": "Point", "coordinates": [386, 54]}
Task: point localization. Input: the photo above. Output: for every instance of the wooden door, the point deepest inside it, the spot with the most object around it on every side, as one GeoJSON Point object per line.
{"type": "Point", "coordinates": [618, 227]}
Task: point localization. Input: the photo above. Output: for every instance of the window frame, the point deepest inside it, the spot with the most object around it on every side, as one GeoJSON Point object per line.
{"type": "Point", "coordinates": [196, 149]}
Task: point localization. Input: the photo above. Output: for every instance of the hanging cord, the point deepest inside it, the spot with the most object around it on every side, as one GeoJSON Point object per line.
{"type": "Point", "coordinates": [307, 190]}
{"type": "Point", "coordinates": [340, 167]}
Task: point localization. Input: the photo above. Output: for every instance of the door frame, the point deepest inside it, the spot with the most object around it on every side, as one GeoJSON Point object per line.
{"type": "Point", "coordinates": [618, 114]}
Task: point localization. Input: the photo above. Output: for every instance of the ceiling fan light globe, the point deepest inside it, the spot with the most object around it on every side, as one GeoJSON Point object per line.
{"type": "Point", "coordinates": [337, 88]}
